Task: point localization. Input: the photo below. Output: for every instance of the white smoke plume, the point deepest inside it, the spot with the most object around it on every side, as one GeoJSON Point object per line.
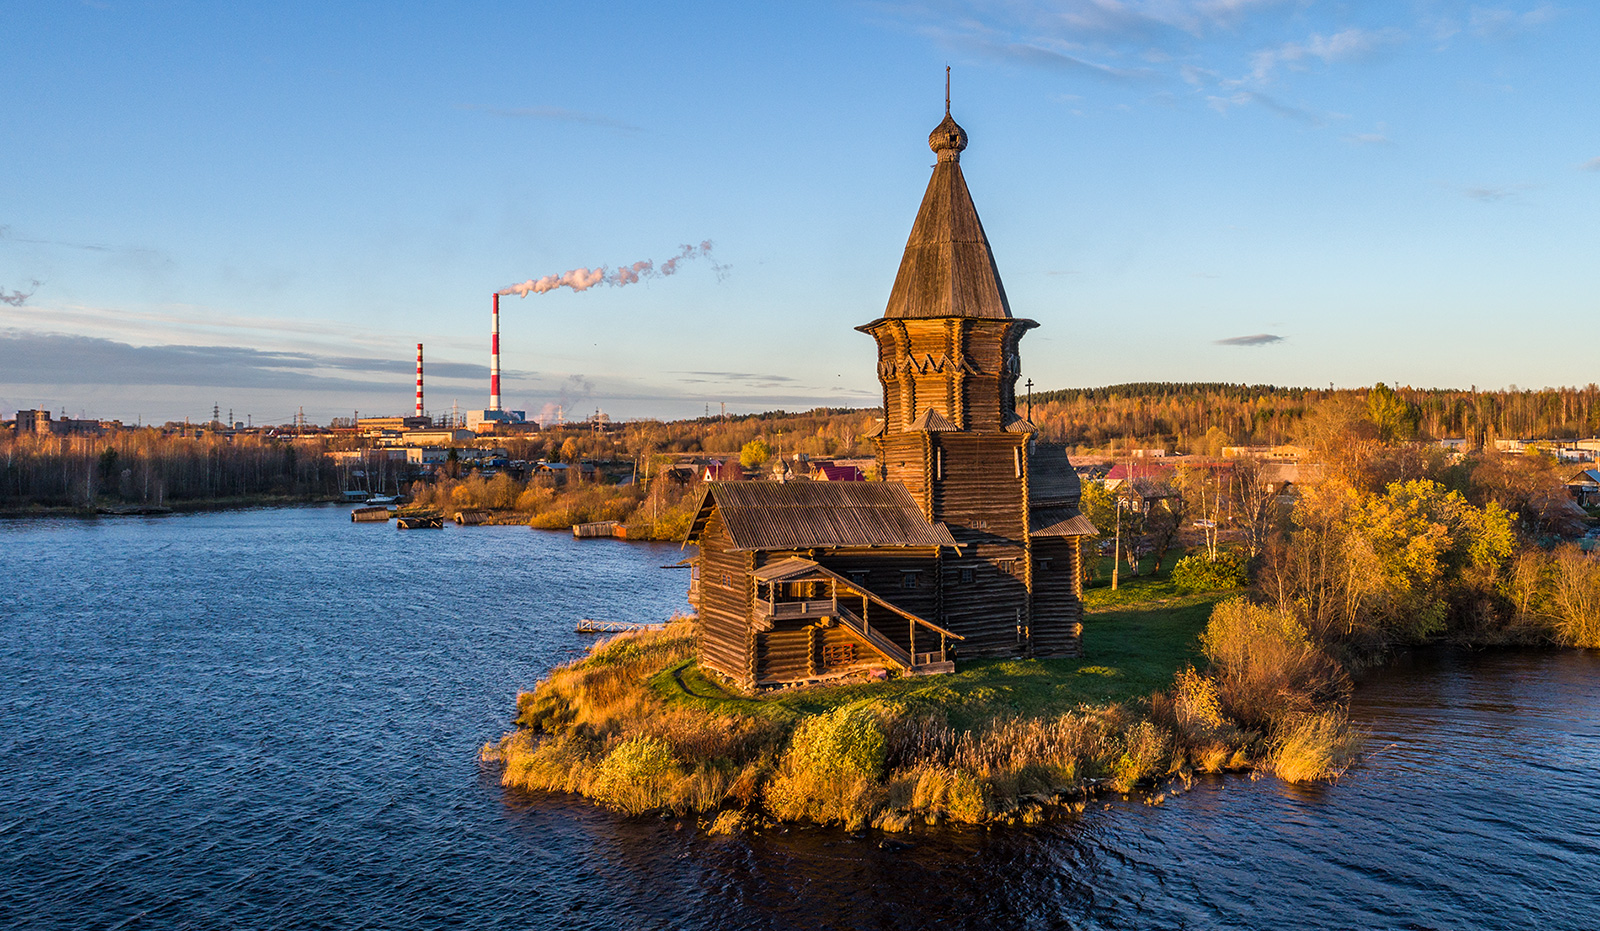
{"type": "Point", "coordinates": [582, 279]}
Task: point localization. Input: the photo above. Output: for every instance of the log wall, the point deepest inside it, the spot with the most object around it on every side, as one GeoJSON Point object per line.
{"type": "Point", "coordinates": [724, 604]}
{"type": "Point", "coordinates": [1057, 597]}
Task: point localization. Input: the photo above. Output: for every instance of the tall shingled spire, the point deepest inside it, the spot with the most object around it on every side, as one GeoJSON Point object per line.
{"type": "Point", "coordinates": [948, 269]}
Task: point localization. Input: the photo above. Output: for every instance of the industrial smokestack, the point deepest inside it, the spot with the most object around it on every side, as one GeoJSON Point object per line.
{"type": "Point", "coordinates": [494, 357]}
{"type": "Point", "coordinates": [420, 379]}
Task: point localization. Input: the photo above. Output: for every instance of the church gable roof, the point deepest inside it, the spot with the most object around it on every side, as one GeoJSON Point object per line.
{"type": "Point", "coordinates": [805, 515]}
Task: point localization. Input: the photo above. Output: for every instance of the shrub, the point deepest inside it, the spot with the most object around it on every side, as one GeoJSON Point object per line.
{"type": "Point", "coordinates": [830, 771]}
{"type": "Point", "coordinates": [1314, 746]}
{"type": "Point", "coordinates": [1196, 705]}
{"type": "Point", "coordinates": [949, 791]}
{"type": "Point", "coordinates": [1197, 573]}
{"type": "Point", "coordinates": [637, 776]}
{"type": "Point", "coordinates": [1266, 666]}
{"type": "Point", "coordinates": [1146, 747]}
{"type": "Point", "coordinates": [1575, 596]}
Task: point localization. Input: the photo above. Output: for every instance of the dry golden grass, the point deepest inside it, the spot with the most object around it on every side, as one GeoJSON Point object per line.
{"type": "Point", "coordinates": [597, 728]}
{"type": "Point", "coordinates": [1265, 664]}
{"type": "Point", "coordinates": [1311, 747]}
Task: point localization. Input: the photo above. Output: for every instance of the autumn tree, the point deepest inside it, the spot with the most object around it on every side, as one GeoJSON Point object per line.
{"type": "Point", "coordinates": [754, 454]}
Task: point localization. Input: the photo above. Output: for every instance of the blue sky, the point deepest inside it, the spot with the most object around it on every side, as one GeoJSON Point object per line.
{"type": "Point", "coordinates": [267, 209]}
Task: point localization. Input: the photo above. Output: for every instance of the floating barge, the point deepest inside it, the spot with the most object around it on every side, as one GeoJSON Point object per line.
{"type": "Point", "coordinates": [600, 528]}
{"type": "Point", "coordinates": [472, 517]}
{"type": "Point", "coordinates": [414, 518]}
{"type": "Point", "coordinates": [373, 514]}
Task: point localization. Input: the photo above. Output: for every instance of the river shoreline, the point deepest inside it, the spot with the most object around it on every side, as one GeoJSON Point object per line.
{"type": "Point", "coordinates": [636, 726]}
{"type": "Point", "coordinates": [173, 507]}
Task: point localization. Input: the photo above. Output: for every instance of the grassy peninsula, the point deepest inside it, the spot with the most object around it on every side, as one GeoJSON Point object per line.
{"type": "Point", "coordinates": [1174, 683]}
{"type": "Point", "coordinates": [638, 726]}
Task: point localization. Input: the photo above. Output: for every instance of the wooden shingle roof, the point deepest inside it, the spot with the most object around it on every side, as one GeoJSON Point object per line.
{"type": "Point", "coordinates": [805, 515]}
{"type": "Point", "coordinates": [1051, 478]}
{"type": "Point", "coordinates": [948, 269]}
{"type": "Point", "coordinates": [1060, 522]}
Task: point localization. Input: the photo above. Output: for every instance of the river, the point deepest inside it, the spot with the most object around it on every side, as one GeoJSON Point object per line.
{"type": "Point", "coordinates": [271, 719]}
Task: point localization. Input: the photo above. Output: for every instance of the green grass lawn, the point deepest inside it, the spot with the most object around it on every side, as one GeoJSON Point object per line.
{"type": "Point", "coordinates": [1134, 640]}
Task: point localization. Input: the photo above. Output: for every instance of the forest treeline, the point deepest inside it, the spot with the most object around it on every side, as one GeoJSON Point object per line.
{"type": "Point", "coordinates": [1204, 417]}
{"type": "Point", "coordinates": [148, 467]}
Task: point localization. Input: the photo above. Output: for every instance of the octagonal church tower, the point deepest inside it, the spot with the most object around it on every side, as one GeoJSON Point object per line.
{"type": "Point", "coordinates": [948, 361]}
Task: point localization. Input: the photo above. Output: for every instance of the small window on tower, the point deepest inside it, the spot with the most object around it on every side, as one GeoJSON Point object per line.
{"type": "Point", "coordinates": [966, 575]}
{"type": "Point", "coordinates": [859, 576]}
{"type": "Point", "coordinates": [910, 579]}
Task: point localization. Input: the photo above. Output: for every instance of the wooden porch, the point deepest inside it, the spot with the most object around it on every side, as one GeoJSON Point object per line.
{"type": "Point", "coordinates": [800, 589]}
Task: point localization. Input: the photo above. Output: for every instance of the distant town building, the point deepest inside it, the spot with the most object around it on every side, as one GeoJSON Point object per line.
{"type": "Point", "coordinates": [1585, 488]}
{"type": "Point", "coordinates": [38, 423]}
{"type": "Point", "coordinates": [394, 423]}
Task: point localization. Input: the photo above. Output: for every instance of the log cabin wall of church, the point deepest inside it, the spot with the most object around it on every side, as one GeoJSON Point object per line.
{"type": "Point", "coordinates": [725, 592]}
{"type": "Point", "coordinates": [979, 492]}
{"type": "Point", "coordinates": [964, 368]}
{"type": "Point", "coordinates": [1057, 607]}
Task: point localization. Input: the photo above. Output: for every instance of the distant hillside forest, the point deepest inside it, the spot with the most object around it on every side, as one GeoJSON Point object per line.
{"type": "Point", "coordinates": [148, 467]}
{"type": "Point", "coordinates": [1204, 417]}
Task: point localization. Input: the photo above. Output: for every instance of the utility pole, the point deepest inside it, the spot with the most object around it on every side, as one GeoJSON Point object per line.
{"type": "Point", "coordinates": [1116, 548]}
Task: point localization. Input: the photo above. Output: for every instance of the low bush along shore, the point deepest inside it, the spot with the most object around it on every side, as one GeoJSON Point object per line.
{"type": "Point", "coordinates": [637, 726]}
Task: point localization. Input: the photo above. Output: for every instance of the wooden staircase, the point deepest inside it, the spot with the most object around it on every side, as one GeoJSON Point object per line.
{"type": "Point", "coordinates": [922, 664]}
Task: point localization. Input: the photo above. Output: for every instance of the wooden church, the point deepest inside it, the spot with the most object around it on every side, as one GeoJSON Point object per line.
{"type": "Point", "coordinates": [969, 546]}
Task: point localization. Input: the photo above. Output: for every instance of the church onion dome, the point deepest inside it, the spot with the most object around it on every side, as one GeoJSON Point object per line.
{"type": "Point", "coordinates": [948, 139]}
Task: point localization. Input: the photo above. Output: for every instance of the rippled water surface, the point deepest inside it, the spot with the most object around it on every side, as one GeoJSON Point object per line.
{"type": "Point", "coordinates": [270, 719]}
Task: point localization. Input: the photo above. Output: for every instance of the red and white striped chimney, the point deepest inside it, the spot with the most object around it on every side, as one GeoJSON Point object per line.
{"type": "Point", "coordinates": [419, 379]}
{"type": "Point", "coordinates": [494, 357]}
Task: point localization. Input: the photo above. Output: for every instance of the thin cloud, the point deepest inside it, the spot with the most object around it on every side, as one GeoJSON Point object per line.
{"type": "Point", "coordinates": [1377, 139]}
{"type": "Point", "coordinates": [1507, 24]}
{"type": "Point", "coordinates": [1259, 339]}
{"type": "Point", "coordinates": [5, 234]}
{"type": "Point", "coordinates": [734, 376]}
{"type": "Point", "coordinates": [1345, 45]}
{"type": "Point", "coordinates": [1270, 104]}
{"type": "Point", "coordinates": [554, 114]}
{"type": "Point", "coordinates": [1040, 57]}
{"type": "Point", "coordinates": [30, 358]}
{"type": "Point", "coordinates": [1488, 195]}
{"type": "Point", "coordinates": [1592, 164]}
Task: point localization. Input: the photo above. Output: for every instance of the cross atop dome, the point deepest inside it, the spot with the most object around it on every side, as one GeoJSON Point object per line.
{"type": "Point", "coordinates": [948, 138]}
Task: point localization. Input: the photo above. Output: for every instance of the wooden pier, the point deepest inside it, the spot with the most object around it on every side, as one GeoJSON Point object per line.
{"type": "Point", "coordinates": [587, 626]}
